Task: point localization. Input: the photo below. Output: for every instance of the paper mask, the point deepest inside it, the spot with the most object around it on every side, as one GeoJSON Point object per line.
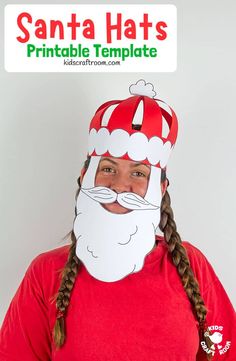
{"type": "Point", "coordinates": [110, 245]}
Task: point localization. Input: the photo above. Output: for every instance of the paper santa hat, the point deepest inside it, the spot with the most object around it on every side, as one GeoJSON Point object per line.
{"type": "Point", "coordinates": [133, 128]}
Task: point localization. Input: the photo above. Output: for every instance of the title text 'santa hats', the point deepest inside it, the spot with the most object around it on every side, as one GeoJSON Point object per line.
{"type": "Point", "coordinates": [133, 128]}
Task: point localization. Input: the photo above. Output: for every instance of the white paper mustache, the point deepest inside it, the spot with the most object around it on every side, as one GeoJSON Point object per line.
{"type": "Point", "coordinates": [128, 200]}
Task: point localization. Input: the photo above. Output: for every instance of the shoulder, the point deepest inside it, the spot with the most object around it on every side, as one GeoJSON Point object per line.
{"type": "Point", "coordinates": [200, 265]}
{"type": "Point", "coordinates": [193, 252]}
{"type": "Point", "coordinates": [44, 272]}
{"type": "Point", "coordinates": [55, 257]}
{"type": "Point", "coordinates": [195, 255]}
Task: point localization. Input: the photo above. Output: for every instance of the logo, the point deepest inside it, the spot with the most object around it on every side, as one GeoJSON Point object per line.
{"type": "Point", "coordinates": [219, 345]}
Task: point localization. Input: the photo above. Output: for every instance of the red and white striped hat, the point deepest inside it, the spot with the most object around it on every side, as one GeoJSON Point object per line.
{"type": "Point", "coordinates": [133, 128]}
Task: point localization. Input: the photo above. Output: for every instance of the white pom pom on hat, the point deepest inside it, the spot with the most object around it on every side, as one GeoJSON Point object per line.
{"type": "Point", "coordinates": [142, 88]}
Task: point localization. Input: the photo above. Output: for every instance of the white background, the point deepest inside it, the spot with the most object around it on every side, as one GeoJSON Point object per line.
{"type": "Point", "coordinates": [43, 136]}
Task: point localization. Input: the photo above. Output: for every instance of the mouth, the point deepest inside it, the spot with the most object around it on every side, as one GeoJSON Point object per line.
{"type": "Point", "coordinates": [115, 207]}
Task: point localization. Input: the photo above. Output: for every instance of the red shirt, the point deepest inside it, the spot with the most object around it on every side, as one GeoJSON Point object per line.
{"type": "Point", "coordinates": [144, 317]}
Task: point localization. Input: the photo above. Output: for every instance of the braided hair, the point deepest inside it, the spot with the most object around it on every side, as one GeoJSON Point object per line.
{"type": "Point", "coordinates": [179, 258]}
{"type": "Point", "coordinates": [63, 297]}
{"type": "Point", "coordinates": [181, 261]}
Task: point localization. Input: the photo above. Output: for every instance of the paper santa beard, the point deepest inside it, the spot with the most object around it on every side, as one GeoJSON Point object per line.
{"type": "Point", "coordinates": [112, 246]}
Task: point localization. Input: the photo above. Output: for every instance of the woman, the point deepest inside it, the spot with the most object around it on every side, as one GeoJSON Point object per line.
{"type": "Point", "coordinates": [125, 293]}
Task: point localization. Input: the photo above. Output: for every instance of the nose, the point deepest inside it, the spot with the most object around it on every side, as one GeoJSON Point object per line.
{"type": "Point", "coordinates": [121, 183]}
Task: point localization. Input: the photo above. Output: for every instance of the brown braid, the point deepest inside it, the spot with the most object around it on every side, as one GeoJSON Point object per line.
{"type": "Point", "coordinates": [63, 297]}
{"type": "Point", "coordinates": [67, 283]}
{"type": "Point", "coordinates": [181, 261]}
{"type": "Point", "coordinates": [68, 278]}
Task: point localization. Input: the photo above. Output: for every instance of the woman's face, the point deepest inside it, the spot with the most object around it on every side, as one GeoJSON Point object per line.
{"type": "Point", "coordinates": [122, 175]}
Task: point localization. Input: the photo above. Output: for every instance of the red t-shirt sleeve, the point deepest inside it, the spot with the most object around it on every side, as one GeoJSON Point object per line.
{"type": "Point", "coordinates": [221, 315]}
{"type": "Point", "coordinates": [25, 333]}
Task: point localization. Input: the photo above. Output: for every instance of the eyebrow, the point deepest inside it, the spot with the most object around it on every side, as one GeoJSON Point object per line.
{"type": "Point", "coordinates": [109, 160]}
{"type": "Point", "coordinates": [133, 165]}
{"type": "Point", "coordinates": [138, 164]}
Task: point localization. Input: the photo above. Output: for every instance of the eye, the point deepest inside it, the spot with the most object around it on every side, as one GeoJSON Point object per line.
{"type": "Point", "coordinates": [107, 170]}
{"type": "Point", "coordinates": [139, 174]}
